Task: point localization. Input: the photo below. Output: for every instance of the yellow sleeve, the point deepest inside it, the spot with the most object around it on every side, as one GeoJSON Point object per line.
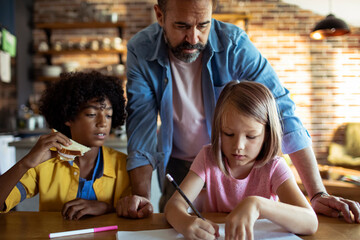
{"type": "Point", "coordinates": [25, 188]}
{"type": "Point", "coordinates": [12, 200]}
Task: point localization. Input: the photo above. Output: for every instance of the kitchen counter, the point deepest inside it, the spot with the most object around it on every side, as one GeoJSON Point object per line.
{"type": "Point", "coordinates": [118, 143]}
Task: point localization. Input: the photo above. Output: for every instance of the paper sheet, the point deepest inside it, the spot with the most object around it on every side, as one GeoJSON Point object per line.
{"type": "Point", "coordinates": [263, 229]}
{"type": "Point", "coordinates": [5, 67]}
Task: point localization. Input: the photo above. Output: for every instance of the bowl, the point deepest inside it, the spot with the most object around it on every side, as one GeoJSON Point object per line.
{"type": "Point", "coordinates": [70, 66]}
{"type": "Point", "coordinates": [51, 70]}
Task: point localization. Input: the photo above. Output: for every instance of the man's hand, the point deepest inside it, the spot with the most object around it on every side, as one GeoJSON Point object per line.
{"type": "Point", "coordinates": [336, 206]}
{"type": "Point", "coordinates": [134, 207]}
{"type": "Point", "coordinates": [306, 165]}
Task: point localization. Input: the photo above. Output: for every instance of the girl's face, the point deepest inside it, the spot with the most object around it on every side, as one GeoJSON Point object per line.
{"type": "Point", "coordinates": [92, 125]}
{"type": "Point", "coordinates": [242, 138]}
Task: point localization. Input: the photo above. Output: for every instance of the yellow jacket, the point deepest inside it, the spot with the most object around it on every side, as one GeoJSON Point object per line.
{"type": "Point", "coordinates": [57, 182]}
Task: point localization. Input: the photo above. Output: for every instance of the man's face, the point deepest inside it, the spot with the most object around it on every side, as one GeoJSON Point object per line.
{"type": "Point", "coordinates": [186, 25]}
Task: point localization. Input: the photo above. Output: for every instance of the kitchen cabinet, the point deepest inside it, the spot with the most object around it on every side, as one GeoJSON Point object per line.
{"type": "Point", "coordinates": [51, 51]}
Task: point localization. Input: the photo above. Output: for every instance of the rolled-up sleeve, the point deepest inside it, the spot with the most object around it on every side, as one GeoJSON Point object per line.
{"type": "Point", "coordinates": [295, 141]}
{"type": "Point", "coordinates": [141, 124]}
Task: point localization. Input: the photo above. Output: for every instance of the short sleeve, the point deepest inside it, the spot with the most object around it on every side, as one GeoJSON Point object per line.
{"type": "Point", "coordinates": [198, 165]}
{"type": "Point", "coordinates": [280, 172]}
{"type": "Point", "coordinates": [12, 200]}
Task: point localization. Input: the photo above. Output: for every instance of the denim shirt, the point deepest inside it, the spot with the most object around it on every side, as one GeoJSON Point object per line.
{"type": "Point", "coordinates": [229, 55]}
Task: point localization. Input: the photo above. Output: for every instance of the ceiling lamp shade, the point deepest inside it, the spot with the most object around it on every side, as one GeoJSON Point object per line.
{"type": "Point", "coordinates": [329, 27]}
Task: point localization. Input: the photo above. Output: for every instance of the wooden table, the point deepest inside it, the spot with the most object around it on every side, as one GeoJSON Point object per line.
{"type": "Point", "coordinates": [38, 225]}
{"type": "Point", "coordinates": [333, 186]}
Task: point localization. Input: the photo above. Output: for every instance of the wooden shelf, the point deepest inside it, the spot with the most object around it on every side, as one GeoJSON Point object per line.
{"type": "Point", "coordinates": [51, 79]}
{"type": "Point", "coordinates": [230, 17]}
{"type": "Point", "coordinates": [49, 28]}
{"type": "Point", "coordinates": [87, 51]}
{"type": "Point", "coordinates": [233, 18]}
{"type": "Point", "coordinates": [78, 25]}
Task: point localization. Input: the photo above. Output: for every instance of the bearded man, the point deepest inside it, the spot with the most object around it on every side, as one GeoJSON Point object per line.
{"type": "Point", "coordinates": [176, 69]}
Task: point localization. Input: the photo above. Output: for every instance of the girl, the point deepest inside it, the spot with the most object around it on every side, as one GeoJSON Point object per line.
{"type": "Point", "coordinates": [242, 171]}
{"type": "Point", "coordinates": [84, 107]}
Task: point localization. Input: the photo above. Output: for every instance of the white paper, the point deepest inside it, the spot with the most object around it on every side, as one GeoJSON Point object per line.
{"type": "Point", "coordinates": [263, 229]}
{"type": "Point", "coordinates": [5, 67]}
{"type": "Point", "coordinates": [7, 153]}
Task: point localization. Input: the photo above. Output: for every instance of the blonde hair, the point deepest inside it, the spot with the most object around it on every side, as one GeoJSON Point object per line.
{"type": "Point", "coordinates": [253, 100]}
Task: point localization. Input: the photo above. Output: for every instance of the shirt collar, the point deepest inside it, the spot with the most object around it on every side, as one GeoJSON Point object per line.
{"type": "Point", "coordinates": [109, 167]}
{"type": "Point", "coordinates": [159, 52]}
{"type": "Point", "coordinates": [214, 42]}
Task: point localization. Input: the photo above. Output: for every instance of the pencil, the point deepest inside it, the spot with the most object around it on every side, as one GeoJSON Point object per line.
{"type": "Point", "coordinates": [184, 196]}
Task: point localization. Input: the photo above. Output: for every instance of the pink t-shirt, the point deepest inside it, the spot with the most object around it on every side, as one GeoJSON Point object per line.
{"type": "Point", "coordinates": [225, 192]}
{"type": "Point", "coordinates": [188, 109]}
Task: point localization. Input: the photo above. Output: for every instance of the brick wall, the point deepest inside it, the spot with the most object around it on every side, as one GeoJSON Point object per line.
{"type": "Point", "coordinates": [323, 76]}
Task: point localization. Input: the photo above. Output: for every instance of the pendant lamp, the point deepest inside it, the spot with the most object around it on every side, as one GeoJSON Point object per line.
{"type": "Point", "coordinates": [329, 27]}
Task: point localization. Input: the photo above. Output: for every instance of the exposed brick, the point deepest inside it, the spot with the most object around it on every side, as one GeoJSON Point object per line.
{"type": "Point", "coordinates": [322, 75]}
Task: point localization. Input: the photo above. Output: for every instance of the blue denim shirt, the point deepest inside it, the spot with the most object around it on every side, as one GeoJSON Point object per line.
{"type": "Point", "coordinates": [229, 55]}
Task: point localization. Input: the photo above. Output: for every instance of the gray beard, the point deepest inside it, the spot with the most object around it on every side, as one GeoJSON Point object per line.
{"type": "Point", "coordinates": [185, 57]}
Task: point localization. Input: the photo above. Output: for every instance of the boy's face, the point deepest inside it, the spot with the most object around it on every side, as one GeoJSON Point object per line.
{"type": "Point", "coordinates": [92, 125]}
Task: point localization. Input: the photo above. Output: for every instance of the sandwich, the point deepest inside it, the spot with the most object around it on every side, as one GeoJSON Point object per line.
{"type": "Point", "coordinates": [69, 153]}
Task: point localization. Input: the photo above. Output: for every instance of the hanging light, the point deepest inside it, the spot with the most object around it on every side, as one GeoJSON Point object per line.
{"type": "Point", "coordinates": [328, 27]}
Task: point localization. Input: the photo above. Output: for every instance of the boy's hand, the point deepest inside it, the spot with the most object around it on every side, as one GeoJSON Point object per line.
{"type": "Point", "coordinates": [75, 209]}
{"type": "Point", "coordinates": [134, 207]}
{"type": "Point", "coordinates": [196, 228]}
{"type": "Point", "coordinates": [240, 222]}
{"type": "Point", "coordinates": [41, 151]}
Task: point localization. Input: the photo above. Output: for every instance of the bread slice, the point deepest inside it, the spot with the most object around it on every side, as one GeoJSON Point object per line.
{"type": "Point", "coordinates": [68, 153]}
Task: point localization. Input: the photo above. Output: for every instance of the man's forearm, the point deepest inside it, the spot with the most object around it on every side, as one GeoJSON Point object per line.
{"type": "Point", "coordinates": [141, 181]}
{"type": "Point", "coordinates": [305, 163]}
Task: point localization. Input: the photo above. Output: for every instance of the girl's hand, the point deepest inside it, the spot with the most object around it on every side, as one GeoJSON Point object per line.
{"type": "Point", "coordinates": [41, 151]}
{"type": "Point", "coordinates": [75, 209]}
{"type": "Point", "coordinates": [239, 224]}
{"type": "Point", "coordinates": [196, 228]}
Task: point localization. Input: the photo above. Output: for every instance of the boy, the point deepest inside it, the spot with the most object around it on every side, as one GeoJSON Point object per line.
{"type": "Point", "coordinates": [84, 107]}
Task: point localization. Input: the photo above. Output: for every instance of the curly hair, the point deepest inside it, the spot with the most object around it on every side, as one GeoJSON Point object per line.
{"type": "Point", "coordinates": [62, 101]}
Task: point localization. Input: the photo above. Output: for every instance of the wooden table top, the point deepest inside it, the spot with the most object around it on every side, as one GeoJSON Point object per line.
{"type": "Point", "coordinates": [38, 225]}
{"type": "Point", "coordinates": [333, 186]}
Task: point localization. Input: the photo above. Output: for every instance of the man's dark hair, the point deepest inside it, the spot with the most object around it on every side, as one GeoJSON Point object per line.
{"type": "Point", "coordinates": [162, 5]}
{"type": "Point", "coordinates": [63, 100]}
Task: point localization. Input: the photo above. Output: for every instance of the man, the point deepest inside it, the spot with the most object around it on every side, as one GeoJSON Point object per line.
{"type": "Point", "coordinates": [177, 68]}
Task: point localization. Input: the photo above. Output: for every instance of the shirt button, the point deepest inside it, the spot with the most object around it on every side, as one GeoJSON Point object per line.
{"type": "Point", "coordinates": [166, 80]}
{"type": "Point", "coordinates": [75, 173]}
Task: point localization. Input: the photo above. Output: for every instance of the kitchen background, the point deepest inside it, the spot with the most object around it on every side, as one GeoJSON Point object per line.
{"type": "Point", "coordinates": [323, 76]}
